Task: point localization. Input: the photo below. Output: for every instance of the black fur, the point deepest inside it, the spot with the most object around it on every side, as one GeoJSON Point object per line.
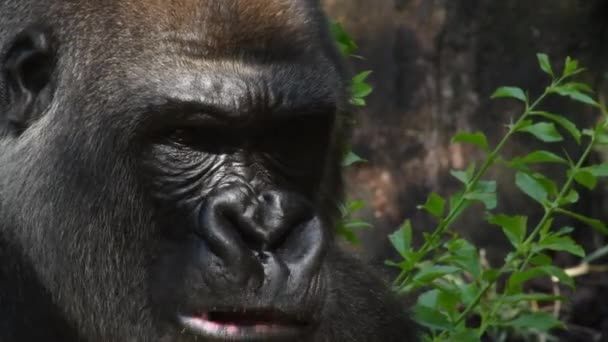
{"type": "Point", "coordinates": [176, 157]}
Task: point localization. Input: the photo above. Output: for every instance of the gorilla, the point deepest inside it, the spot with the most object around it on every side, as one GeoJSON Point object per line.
{"type": "Point", "coordinates": [169, 171]}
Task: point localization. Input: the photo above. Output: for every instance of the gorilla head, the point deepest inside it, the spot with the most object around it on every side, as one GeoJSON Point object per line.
{"type": "Point", "coordinates": [169, 171]}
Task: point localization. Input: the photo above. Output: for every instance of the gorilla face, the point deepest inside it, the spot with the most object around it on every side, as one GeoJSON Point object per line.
{"type": "Point", "coordinates": [169, 171]}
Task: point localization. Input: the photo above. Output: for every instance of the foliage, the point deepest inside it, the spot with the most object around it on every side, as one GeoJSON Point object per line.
{"type": "Point", "coordinates": [359, 90]}
{"type": "Point", "coordinates": [456, 285]}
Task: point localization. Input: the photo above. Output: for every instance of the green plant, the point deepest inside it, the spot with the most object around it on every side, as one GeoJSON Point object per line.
{"type": "Point", "coordinates": [359, 90]}
{"type": "Point", "coordinates": [456, 285]}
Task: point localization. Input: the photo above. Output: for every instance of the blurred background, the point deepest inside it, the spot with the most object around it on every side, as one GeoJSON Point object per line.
{"type": "Point", "coordinates": [435, 64]}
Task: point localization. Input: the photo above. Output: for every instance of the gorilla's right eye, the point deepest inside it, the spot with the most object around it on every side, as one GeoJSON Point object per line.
{"type": "Point", "coordinates": [217, 139]}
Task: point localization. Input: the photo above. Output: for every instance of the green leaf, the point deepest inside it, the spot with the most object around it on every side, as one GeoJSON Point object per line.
{"type": "Point", "coordinates": [593, 223]}
{"type": "Point", "coordinates": [361, 90]}
{"type": "Point", "coordinates": [362, 76]}
{"type": "Point", "coordinates": [570, 67]}
{"type": "Point", "coordinates": [402, 239]}
{"type": "Point", "coordinates": [431, 318]}
{"type": "Point", "coordinates": [579, 86]}
{"type": "Point", "coordinates": [547, 183]}
{"type": "Point", "coordinates": [352, 158]}
{"type": "Point", "coordinates": [517, 279]}
{"type": "Point", "coordinates": [491, 275]}
{"type": "Point", "coordinates": [428, 274]}
{"type": "Point", "coordinates": [354, 205]}
{"type": "Point", "coordinates": [545, 64]}
{"type": "Point", "coordinates": [560, 243]}
{"type": "Point", "coordinates": [485, 186]}
{"type": "Point", "coordinates": [565, 123]}
{"type": "Point", "coordinates": [460, 175]}
{"type": "Point", "coordinates": [435, 205]}
{"type": "Point", "coordinates": [531, 187]}
{"type": "Point", "coordinates": [601, 139]}
{"type": "Point", "coordinates": [575, 94]}
{"type": "Point", "coordinates": [571, 198]}
{"type": "Point", "coordinates": [586, 179]}
{"type": "Point", "coordinates": [463, 254]}
{"type": "Point", "coordinates": [359, 102]}
{"type": "Point", "coordinates": [488, 199]}
{"type": "Point", "coordinates": [456, 199]}
{"type": "Point", "coordinates": [597, 170]}
{"type": "Point", "coordinates": [478, 139]}
{"type": "Point", "coordinates": [510, 92]}
{"type": "Point", "coordinates": [514, 227]}
{"type": "Point", "coordinates": [467, 335]}
{"type": "Point", "coordinates": [345, 43]}
{"type": "Point", "coordinates": [485, 192]}
{"type": "Point", "coordinates": [357, 224]}
{"type": "Point", "coordinates": [558, 273]}
{"type": "Point", "coordinates": [429, 298]}
{"type": "Point", "coordinates": [348, 234]}
{"type": "Point", "coordinates": [529, 297]}
{"type": "Point", "coordinates": [522, 124]}
{"type": "Point", "coordinates": [464, 176]}
{"type": "Point", "coordinates": [544, 131]}
{"type": "Point", "coordinates": [538, 321]}
{"type": "Point", "coordinates": [539, 157]}
{"type": "Point", "coordinates": [597, 254]}
{"type": "Point", "coordinates": [541, 260]}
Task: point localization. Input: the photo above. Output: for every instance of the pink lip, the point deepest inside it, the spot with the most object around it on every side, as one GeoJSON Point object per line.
{"type": "Point", "coordinates": [203, 326]}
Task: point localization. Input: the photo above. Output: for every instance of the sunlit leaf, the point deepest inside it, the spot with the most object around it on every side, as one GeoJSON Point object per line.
{"type": "Point", "coordinates": [544, 131]}
{"type": "Point", "coordinates": [478, 139]}
{"type": "Point", "coordinates": [600, 170]}
{"type": "Point", "coordinates": [561, 243]}
{"type": "Point", "coordinates": [593, 223]}
{"type": "Point", "coordinates": [510, 92]}
{"type": "Point", "coordinates": [570, 67]}
{"type": "Point", "coordinates": [571, 198]}
{"type": "Point", "coordinates": [402, 239]}
{"type": "Point", "coordinates": [514, 227]}
{"type": "Point", "coordinates": [435, 205]}
{"type": "Point", "coordinates": [565, 123]}
{"type": "Point", "coordinates": [586, 179]}
{"type": "Point", "coordinates": [352, 158]}
{"type": "Point", "coordinates": [575, 94]}
{"type": "Point", "coordinates": [538, 321]}
{"type": "Point", "coordinates": [544, 63]}
{"type": "Point", "coordinates": [539, 157]}
{"type": "Point", "coordinates": [531, 187]}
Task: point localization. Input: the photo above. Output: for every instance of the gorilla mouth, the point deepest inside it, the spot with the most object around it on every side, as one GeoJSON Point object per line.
{"type": "Point", "coordinates": [245, 325]}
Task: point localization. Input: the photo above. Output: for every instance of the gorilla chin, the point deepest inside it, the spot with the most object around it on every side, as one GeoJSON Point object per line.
{"type": "Point", "coordinates": [170, 171]}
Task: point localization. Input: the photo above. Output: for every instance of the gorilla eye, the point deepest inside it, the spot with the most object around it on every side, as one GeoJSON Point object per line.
{"type": "Point", "coordinates": [216, 139]}
{"type": "Point", "coordinates": [27, 70]}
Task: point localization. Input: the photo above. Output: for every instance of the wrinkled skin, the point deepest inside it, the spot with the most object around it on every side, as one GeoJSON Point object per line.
{"type": "Point", "coordinates": [169, 171]}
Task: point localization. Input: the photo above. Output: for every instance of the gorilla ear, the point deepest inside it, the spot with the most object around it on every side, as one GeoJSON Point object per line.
{"type": "Point", "coordinates": [27, 70]}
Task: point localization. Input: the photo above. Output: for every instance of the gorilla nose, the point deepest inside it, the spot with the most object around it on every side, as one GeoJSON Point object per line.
{"type": "Point", "coordinates": [262, 235]}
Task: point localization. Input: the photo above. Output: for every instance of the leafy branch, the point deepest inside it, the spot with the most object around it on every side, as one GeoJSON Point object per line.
{"type": "Point", "coordinates": [458, 284]}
